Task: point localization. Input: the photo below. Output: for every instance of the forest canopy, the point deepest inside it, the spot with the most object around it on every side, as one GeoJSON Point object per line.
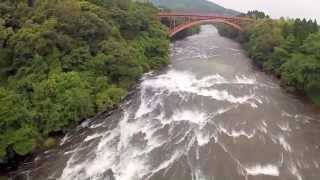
{"type": "Point", "coordinates": [65, 60]}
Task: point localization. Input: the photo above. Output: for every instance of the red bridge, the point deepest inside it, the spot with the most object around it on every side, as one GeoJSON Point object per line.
{"type": "Point", "coordinates": [179, 21]}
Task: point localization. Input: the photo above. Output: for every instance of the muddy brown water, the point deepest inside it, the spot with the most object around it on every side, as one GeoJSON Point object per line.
{"type": "Point", "coordinates": [209, 116]}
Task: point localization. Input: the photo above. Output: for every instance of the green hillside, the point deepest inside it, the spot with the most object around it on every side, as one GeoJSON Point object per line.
{"type": "Point", "coordinates": [62, 61]}
{"type": "Point", "coordinates": [195, 5]}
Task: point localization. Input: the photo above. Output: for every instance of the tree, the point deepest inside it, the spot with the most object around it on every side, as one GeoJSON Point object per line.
{"type": "Point", "coordinates": [300, 71]}
{"type": "Point", "coordinates": [109, 97]}
{"type": "Point", "coordinates": [312, 45]}
{"type": "Point", "coordinates": [278, 57]}
{"type": "Point", "coordinates": [17, 130]}
{"type": "Point", "coordinates": [264, 37]}
{"type": "Point", "coordinates": [257, 14]}
{"type": "Point", "coordinates": [118, 62]}
{"type": "Point", "coordinates": [61, 100]}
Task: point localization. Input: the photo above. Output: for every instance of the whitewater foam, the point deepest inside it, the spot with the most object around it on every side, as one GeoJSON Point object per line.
{"type": "Point", "coordinates": [268, 170]}
{"type": "Point", "coordinates": [294, 170]}
{"type": "Point", "coordinates": [94, 136]}
{"type": "Point", "coordinates": [286, 146]}
{"type": "Point", "coordinates": [186, 82]}
{"type": "Point", "coordinates": [236, 133]}
{"type": "Point", "coordinates": [64, 139]}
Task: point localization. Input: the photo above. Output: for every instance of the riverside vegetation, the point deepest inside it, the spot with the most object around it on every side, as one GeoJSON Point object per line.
{"type": "Point", "coordinates": [65, 60]}
{"type": "Point", "coordinates": [288, 48]}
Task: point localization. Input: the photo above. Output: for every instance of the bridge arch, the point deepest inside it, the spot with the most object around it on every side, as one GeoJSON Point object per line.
{"type": "Point", "coordinates": [200, 22]}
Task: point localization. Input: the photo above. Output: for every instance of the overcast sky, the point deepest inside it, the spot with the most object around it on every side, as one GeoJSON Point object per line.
{"type": "Point", "coordinates": [276, 8]}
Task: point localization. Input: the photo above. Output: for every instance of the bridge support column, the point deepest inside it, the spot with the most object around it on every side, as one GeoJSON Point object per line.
{"type": "Point", "coordinates": [172, 23]}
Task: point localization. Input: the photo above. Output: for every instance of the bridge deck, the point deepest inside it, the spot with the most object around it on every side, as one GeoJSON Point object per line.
{"type": "Point", "coordinates": [201, 15]}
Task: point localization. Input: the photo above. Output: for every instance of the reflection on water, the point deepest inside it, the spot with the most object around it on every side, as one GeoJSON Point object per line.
{"type": "Point", "coordinates": [210, 115]}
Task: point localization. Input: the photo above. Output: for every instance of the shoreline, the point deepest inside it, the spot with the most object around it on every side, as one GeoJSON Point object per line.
{"type": "Point", "coordinates": [288, 89]}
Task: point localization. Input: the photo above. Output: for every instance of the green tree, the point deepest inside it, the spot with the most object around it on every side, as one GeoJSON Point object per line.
{"type": "Point", "coordinates": [312, 45]}
{"type": "Point", "coordinates": [108, 98]}
{"type": "Point", "coordinates": [264, 37]}
{"type": "Point", "coordinates": [61, 100]}
{"type": "Point", "coordinates": [17, 130]}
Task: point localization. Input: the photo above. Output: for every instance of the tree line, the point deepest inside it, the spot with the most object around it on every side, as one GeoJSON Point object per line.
{"type": "Point", "coordinates": [62, 61]}
{"type": "Point", "coordinates": [288, 48]}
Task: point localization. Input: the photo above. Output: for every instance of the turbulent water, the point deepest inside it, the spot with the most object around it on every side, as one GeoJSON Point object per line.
{"type": "Point", "coordinates": [209, 116]}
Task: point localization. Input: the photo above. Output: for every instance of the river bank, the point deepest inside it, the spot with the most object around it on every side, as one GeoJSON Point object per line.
{"type": "Point", "coordinates": [286, 48]}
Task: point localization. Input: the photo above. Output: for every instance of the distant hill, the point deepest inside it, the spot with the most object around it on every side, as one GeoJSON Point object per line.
{"type": "Point", "coordinates": [195, 5]}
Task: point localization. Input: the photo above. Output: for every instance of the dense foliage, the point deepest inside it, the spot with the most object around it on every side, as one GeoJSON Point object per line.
{"type": "Point", "coordinates": [255, 14]}
{"type": "Point", "coordinates": [289, 48]}
{"type": "Point", "coordinates": [62, 61]}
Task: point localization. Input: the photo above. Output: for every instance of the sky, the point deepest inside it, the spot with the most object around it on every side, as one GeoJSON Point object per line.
{"type": "Point", "coordinates": [276, 8]}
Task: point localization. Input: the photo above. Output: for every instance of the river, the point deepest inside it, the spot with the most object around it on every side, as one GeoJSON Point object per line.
{"type": "Point", "coordinates": [211, 115]}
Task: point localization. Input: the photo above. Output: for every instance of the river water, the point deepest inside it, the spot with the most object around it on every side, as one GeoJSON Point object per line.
{"type": "Point", "coordinates": [209, 116]}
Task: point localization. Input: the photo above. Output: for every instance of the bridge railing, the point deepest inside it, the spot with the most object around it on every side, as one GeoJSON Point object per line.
{"type": "Point", "coordinates": [200, 15]}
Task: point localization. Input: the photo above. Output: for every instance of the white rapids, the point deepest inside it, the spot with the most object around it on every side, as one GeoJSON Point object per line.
{"type": "Point", "coordinates": [117, 150]}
